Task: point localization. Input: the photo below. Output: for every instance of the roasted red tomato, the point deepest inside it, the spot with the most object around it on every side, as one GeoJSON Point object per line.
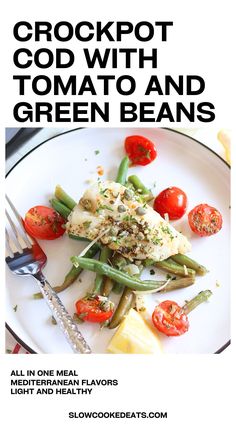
{"type": "Point", "coordinates": [169, 319]}
{"type": "Point", "coordinates": [94, 309]}
{"type": "Point", "coordinates": [141, 151]}
{"type": "Point", "coordinates": [205, 220]}
{"type": "Point", "coordinates": [44, 223]}
{"type": "Point", "coordinates": [172, 201]}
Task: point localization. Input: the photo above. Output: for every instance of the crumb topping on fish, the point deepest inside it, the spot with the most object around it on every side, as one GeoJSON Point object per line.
{"type": "Point", "coordinates": [130, 226]}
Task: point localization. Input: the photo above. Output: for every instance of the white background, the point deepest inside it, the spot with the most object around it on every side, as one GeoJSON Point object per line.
{"type": "Point", "coordinates": [195, 390]}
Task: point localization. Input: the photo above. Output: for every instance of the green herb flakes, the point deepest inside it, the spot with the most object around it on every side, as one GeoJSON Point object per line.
{"type": "Point", "coordinates": [87, 224]}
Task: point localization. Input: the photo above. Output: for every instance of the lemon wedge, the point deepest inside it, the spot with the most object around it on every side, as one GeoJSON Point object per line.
{"type": "Point", "coordinates": [224, 138]}
{"type": "Point", "coordinates": [134, 336]}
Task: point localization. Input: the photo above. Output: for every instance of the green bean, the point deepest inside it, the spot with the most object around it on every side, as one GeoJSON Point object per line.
{"type": "Point", "coordinates": [60, 208]}
{"type": "Point", "coordinates": [104, 257]}
{"type": "Point", "coordinates": [140, 187]}
{"type": "Point", "coordinates": [72, 275]}
{"type": "Point", "coordinates": [178, 283]}
{"type": "Point", "coordinates": [123, 307]}
{"type": "Point", "coordinates": [118, 288]}
{"type": "Point", "coordinates": [171, 267]}
{"type": "Point", "coordinates": [148, 262]}
{"type": "Point", "coordinates": [190, 263]}
{"type": "Point", "coordinates": [200, 298]}
{"type": "Point", "coordinates": [122, 171]}
{"type": "Point", "coordinates": [62, 196]}
{"type": "Point", "coordinates": [107, 286]}
{"type": "Point", "coordinates": [121, 277]}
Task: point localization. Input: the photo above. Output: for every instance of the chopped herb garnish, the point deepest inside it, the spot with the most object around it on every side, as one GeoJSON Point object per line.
{"type": "Point", "coordinates": [104, 324]}
{"type": "Point", "coordinates": [104, 207]}
{"type": "Point", "coordinates": [168, 276]}
{"type": "Point", "coordinates": [8, 351]}
{"type": "Point", "coordinates": [156, 240]}
{"type": "Point", "coordinates": [53, 320]}
{"type": "Point", "coordinates": [148, 262]}
{"type": "Point", "coordinates": [115, 241]}
{"type": "Point", "coordinates": [145, 151]}
{"type": "Point", "coordinates": [166, 230]}
{"type": "Point", "coordinates": [152, 272]}
{"type": "Point", "coordinates": [82, 315]}
{"type": "Point", "coordinates": [105, 305]}
{"type": "Point", "coordinates": [87, 224]}
{"type": "Point", "coordinates": [77, 319]}
{"type": "Point", "coordinates": [97, 152]}
{"type": "Point", "coordinates": [103, 192]}
{"type": "Point", "coordinates": [129, 218]}
{"type": "Point", "coordinates": [15, 308]}
{"type": "Point", "coordinates": [126, 218]}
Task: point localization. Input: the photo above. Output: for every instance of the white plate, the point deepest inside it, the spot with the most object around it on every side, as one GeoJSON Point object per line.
{"type": "Point", "coordinates": [70, 160]}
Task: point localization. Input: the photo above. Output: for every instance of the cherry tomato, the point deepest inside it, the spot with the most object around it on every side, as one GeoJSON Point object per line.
{"type": "Point", "coordinates": [169, 319]}
{"type": "Point", "coordinates": [44, 223]}
{"type": "Point", "coordinates": [205, 220]}
{"type": "Point", "coordinates": [141, 151]}
{"type": "Point", "coordinates": [172, 201]}
{"type": "Point", "coordinates": [94, 309]}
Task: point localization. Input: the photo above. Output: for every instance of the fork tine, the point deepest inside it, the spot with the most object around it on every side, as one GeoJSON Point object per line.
{"type": "Point", "coordinates": [8, 246]}
{"type": "Point", "coordinates": [15, 232]}
{"type": "Point", "coordinates": [20, 220]}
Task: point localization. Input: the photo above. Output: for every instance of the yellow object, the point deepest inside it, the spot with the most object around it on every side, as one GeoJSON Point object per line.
{"type": "Point", "coordinates": [224, 138]}
{"type": "Point", "coordinates": [134, 336]}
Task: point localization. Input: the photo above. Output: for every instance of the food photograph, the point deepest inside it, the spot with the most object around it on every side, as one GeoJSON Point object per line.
{"type": "Point", "coordinates": [118, 242]}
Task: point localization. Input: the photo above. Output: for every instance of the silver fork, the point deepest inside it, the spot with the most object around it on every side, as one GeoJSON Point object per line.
{"type": "Point", "coordinates": [25, 257]}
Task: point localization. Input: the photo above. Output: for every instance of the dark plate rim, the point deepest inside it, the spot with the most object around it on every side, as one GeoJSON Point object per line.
{"type": "Point", "coordinates": [18, 339]}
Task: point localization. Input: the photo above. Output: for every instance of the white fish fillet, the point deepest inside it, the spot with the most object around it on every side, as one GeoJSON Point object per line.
{"type": "Point", "coordinates": [108, 207]}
